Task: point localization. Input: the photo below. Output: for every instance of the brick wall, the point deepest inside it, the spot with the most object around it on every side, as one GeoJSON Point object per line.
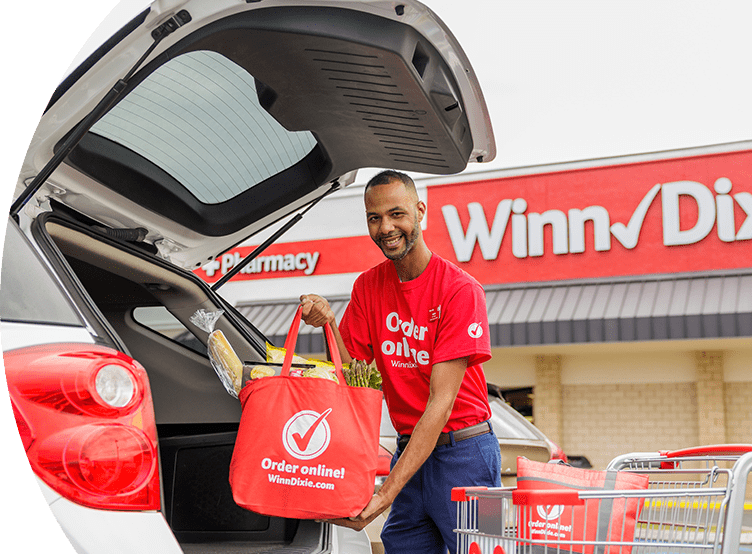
{"type": "Point", "coordinates": [603, 421]}
{"type": "Point", "coordinates": [739, 412]}
{"type": "Point", "coordinates": [710, 398]}
{"type": "Point", "coordinates": [547, 403]}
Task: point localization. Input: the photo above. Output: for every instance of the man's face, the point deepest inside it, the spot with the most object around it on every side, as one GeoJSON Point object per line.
{"type": "Point", "coordinates": [394, 215]}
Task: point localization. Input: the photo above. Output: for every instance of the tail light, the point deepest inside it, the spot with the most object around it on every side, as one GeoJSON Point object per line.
{"type": "Point", "coordinates": [86, 420]}
{"type": "Point", "coordinates": [384, 461]}
{"type": "Point", "coordinates": [556, 452]}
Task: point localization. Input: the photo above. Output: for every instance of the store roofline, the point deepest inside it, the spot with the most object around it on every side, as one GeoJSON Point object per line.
{"type": "Point", "coordinates": [659, 307]}
{"type": "Point", "coordinates": [472, 175]}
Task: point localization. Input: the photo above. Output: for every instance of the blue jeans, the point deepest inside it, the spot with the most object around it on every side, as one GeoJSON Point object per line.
{"type": "Point", "coordinates": [423, 517]}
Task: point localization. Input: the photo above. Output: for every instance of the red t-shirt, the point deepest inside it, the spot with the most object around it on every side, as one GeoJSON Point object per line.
{"type": "Point", "coordinates": [408, 327]}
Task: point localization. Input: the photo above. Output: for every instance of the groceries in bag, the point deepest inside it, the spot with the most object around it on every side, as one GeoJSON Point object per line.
{"type": "Point", "coordinates": [259, 371]}
{"type": "Point", "coordinates": [235, 374]}
{"type": "Point", "coordinates": [359, 374]}
{"type": "Point", "coordinates": [224, 360]}
{"type": "Point", "coordinates": [316, 454]}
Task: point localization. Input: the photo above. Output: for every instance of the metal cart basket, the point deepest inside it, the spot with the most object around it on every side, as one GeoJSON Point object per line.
{"type": "Point", "coordinates": [694, 503]}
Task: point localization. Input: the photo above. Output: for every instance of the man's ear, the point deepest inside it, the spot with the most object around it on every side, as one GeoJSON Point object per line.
{"type": "Point", "coordinates": [421, 210]}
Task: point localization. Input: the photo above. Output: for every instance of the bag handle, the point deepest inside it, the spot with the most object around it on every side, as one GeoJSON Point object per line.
{"type": "Point", "coordinates": [292, 340]}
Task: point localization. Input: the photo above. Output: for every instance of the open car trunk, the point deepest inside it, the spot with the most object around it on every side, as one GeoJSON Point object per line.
{"type": "Point", "coordinates": [239, 118]}
{"type": "Point", "coordinates": [132, 294]}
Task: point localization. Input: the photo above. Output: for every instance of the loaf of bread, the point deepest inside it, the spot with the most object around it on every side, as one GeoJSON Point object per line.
{"type": "Point", "coordinates": [259, 371]}
{"type": "Point", "coordinates": [222, 352]}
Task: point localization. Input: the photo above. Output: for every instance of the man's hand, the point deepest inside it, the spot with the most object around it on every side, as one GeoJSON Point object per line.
{"type": "Point", "coordinates": [316, 310]}
{"type": "Point", "coordinates": [375, 506]}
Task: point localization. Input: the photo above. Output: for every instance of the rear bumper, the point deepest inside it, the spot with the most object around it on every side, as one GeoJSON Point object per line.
{"type": "Point", "coordinates": [93, 531]}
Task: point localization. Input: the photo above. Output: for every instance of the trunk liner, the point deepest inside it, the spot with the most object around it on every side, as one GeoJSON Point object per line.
{"type": "Point", "coordinates": [199, 508]}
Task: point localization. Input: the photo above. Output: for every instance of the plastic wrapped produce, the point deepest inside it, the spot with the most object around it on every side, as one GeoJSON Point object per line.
{"type": "Point", "coordinates": [223, 358]}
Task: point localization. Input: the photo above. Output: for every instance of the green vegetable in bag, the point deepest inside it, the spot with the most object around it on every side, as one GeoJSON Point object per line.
{"type": "Point", "coordinates": [359, 374]}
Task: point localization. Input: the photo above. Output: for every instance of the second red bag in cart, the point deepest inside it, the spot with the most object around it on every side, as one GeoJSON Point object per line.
{"type": "Point", "coordinates": [306, 448]}
{"type": "Point", "coordinates": [597, 522]}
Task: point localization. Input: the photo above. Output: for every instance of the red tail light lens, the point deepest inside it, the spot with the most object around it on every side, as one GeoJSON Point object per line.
{"type": "Point", "coordinates": [556, 452]}
{"type": "Point", "coordinates": [86, 419]}
{"type": "Point", "coordinates": [384, 461]}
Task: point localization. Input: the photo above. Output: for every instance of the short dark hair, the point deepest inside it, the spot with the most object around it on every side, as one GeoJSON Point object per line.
{"type": "Point", "coordinates": [389, 176]}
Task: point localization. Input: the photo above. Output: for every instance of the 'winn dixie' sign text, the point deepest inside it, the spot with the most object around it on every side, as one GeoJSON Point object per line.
{"type": "Point", "coordinates": [664, 216]}
{"type": "Point", "coordinates": [526, 230]}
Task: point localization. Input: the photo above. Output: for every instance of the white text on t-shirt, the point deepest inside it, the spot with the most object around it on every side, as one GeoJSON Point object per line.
{"type": "Point", "coordinates": [401, 347]}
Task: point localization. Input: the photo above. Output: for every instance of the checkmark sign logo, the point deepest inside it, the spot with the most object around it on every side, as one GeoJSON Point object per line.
{"type": "Point", "coordinates": [629, 234]}
{"type": "Point", "coordinates": [306, 435]}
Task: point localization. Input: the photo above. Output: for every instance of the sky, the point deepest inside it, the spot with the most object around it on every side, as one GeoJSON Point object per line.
{"type": "Point", "coordinates": [574, 80]}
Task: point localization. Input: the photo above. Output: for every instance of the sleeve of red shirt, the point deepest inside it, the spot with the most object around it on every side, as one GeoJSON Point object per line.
{"type": "Point", "coordinates": [463, 328]}
{"type": "Point", "coordinates": [354, 328]}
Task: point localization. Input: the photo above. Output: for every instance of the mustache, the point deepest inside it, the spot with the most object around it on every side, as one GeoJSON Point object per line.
{"type": "Point", "coordinates": [390, 236]}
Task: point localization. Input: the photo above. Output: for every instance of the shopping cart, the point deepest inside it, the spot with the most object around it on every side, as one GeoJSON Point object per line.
{"type": "Point", "coordinates": [694, 503]}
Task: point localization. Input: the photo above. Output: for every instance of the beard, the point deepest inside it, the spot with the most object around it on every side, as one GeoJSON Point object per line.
{"type": "Point", "coordinates": [409, 243]}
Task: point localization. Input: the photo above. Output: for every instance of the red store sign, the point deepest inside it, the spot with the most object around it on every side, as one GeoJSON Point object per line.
{"type": "Point", "coordinates": [665, 216]}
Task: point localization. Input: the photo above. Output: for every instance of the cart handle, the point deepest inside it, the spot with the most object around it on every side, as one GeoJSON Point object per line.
{"type": "Point", "coordinates": [710, 449]}
{"type": "Point", "coordinates": [462, 494]}
{"type": "Point", "coordinates": [706, 450]}
{"type": "Point", "coordinates": [546, 498]}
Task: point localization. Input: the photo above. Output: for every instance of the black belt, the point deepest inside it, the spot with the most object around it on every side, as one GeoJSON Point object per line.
{"type": "Point", "coordinates": [459, 435]}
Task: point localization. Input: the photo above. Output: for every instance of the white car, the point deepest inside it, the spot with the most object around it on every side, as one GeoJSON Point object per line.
{"type": "Point", "coordinates": [197, 125]}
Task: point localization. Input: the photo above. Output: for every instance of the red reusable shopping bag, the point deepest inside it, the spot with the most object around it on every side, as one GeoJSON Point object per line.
{"type": "Point", "coordinates": [604, 520]}
{"type": "Point", "coordinates": [306, 448]}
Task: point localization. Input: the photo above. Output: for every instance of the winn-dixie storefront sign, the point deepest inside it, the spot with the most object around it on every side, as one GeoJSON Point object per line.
{"type": "Point", "coordinates": [665, 216]}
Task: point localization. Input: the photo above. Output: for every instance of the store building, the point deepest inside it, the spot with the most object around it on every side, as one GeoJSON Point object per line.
{"type": "Point", "coordinates": [619, 291]}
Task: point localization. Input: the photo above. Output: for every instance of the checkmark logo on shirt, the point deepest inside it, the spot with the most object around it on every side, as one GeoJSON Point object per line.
{"type": "Point", "coordinates": [302, 441]}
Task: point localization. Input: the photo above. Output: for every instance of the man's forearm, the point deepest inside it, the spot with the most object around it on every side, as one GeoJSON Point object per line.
{"type": "Point", "coordinates": [446, 378]}
{"type": "Point", "coordinates": [422, 442]}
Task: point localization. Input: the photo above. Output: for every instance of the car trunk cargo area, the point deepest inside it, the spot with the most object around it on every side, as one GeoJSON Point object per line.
{"type": "Point", "coordinates": [197, 419]}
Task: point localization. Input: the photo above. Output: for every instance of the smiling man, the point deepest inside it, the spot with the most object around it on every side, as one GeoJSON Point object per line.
{"type": "Point", "coordinates": [424, 321]}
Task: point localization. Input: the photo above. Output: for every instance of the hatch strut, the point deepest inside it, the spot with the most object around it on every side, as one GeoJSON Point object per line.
{"type": "Point", "coordinates": [278, 233]}
{"type": "Point", "coordinates": [176, 21]}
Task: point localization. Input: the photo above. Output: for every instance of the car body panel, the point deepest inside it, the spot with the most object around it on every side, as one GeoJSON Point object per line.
{"type": "Point", "coordinates": [146, 532]}
{"type": "Point", "coordinates": [17, 335]}
{"type": "Point", "coordinates": [91, 530]}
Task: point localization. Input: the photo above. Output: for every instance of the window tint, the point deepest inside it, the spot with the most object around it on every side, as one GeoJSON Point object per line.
{"type": "Point", "coordinates": [198, 118]}
{"type": "Point", "coordinates": [27, 290]}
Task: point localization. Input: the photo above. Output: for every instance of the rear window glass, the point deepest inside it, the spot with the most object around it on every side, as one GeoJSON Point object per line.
{"type": "Point", "coordinates": [27, 290]}
{"type": "Point", "coordinates": [198, 118]}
